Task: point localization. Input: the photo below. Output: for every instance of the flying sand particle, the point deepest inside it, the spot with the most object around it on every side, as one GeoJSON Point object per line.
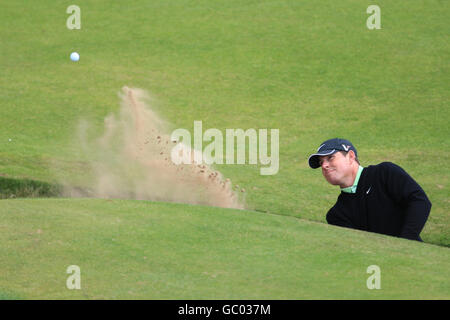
{"type": "Point", "coordinates": [122, 168]}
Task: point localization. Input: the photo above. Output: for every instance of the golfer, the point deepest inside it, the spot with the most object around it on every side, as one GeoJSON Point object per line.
{"type": "Point", "coordinates": [380, 198]}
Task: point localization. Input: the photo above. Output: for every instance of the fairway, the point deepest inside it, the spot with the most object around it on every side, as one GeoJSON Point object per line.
{"type": "Point", "coordinates": [312, 71]}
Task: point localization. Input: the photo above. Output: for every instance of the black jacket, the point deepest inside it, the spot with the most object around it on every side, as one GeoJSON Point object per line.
{"type": "Point", "coordinates": [387, 201]}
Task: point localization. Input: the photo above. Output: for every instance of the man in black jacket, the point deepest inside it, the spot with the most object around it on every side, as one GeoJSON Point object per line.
{"type": "Point", "coordinates": [380, 198]}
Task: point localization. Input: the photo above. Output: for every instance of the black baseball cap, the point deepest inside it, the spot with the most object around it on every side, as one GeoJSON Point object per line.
{"type": "Point", "coordinates": [329, 147]}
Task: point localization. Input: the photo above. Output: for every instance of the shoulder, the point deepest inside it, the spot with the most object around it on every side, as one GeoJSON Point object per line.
{"type": "Point", "coordinates": [394, 178]}
{"type": "Point", "coordinates": [384, 168]}
{"type": "Point", "coordinates": [387, 175]}
{"type": "Point", "coordinates": [388, 166]}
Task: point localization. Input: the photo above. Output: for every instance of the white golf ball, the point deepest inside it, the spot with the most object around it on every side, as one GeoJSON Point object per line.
{"type": "Point", "coordinates": [74, 56]}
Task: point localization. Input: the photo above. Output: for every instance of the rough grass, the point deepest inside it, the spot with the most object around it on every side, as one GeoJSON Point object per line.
{"type": "Point", "coordinates": [26, 188]}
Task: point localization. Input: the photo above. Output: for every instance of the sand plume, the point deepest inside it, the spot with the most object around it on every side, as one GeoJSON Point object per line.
{"type": "Point", "coordinates": [132, 160]}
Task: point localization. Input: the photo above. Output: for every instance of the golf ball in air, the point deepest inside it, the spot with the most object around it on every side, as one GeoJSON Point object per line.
{"type": "Point", "coordinates": [74, 56]}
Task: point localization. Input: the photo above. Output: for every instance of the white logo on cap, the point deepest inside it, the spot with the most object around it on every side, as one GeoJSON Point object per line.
{"type": "Point", "coordinates": [346, 147]}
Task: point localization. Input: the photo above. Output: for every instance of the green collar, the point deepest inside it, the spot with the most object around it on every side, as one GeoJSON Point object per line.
{"type": "Point", "coordinates": [352, 189]}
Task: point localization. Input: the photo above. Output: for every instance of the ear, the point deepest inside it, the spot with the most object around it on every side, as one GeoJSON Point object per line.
{"type": "Point", "coordinates": [352, 155]}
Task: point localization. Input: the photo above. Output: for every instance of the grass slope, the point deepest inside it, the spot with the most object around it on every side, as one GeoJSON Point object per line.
{"type": "Point", "coordinates": [142, 250]}
{"type": "Point", "coordinates": [290, 65]}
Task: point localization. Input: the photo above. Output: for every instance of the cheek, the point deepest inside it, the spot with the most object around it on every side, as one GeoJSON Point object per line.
{"type": "Point", "coordinates": [332, 177]}
{"type": "Point", "coordinates": [338, 167]}
{"type": "Point", "coordinates": [338, 171]}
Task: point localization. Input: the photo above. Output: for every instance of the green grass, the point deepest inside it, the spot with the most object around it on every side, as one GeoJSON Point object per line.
{"type": "Point", "coordinates": [6, 295]}
{"type": "Point", "coordinates": [21, 188]}
{"type": "Point", "coordinates": [312, 70]}
{"type": "Point", "coordinates": [290, 65]}
{"type": "Point", "coordinates": [143, 250]}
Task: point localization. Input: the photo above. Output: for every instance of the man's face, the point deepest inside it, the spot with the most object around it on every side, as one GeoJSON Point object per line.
{"type": "Point", "coordinates": [335, 167]}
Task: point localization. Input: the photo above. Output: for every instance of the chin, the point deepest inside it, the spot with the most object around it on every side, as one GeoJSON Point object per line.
{"type": "Point", "coordinates": [334, 182]}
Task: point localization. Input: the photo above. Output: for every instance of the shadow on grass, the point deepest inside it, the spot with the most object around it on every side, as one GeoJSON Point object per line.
{"type": "Point", "coordinates": [7, 295]}
{"type": "Point", "coordinates": [26, 188]}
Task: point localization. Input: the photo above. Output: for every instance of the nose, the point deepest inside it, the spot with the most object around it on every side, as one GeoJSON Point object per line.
{"type": "Point", "coordinates": [324, 164]}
